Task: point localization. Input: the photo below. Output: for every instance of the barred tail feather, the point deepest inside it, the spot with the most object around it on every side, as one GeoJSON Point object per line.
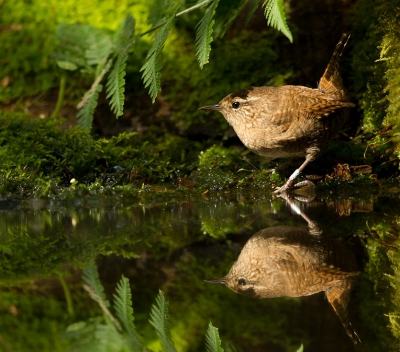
{"type": "Point", "coordinates": [331, 82]}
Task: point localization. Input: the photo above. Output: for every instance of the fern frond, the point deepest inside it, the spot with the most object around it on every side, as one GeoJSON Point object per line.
{"type": "Point", "coordinates": [91, 277]}
{"type": "Point", "coordinates": [82, 45]}
{"type": "Point", "coordinates": [151, 69]}
{"type": "Point", "coordinates": [99, 50]}
{"type": "Point", "coordinates": [253, 8]}
{"type": "Point", "coordinates": [275, 15]}
{"type": "Point", "coordinates": [116, 78]}
{"type": "Point", "coordinates": [89, 101]}
{"type": "Point", "coordinates": [85, 114]}
{"type": "Point", "coordinates": [204, 35]}
{"type": "Point", "coordinates": [116, 85]}
{"type": "Point", "coordinates": [160, 320]}
{"type": "Point", "coordinates": [107, 339]}
{"type": "Point", "coordinates": [213, 342]}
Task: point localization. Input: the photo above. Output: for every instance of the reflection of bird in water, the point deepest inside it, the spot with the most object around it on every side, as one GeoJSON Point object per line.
{"type": "Point", "coordinates": [292, 261]}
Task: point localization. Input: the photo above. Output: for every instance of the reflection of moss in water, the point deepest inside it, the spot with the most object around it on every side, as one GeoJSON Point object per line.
{"type": "Point", "coordinates": [177, 257]}
{"type": "Point", "coordinates": [383, 270]}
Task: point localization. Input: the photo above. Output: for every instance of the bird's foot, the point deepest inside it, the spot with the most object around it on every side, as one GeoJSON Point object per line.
{"type": "Point", "coordinates": [284, 188]}
{"type": "Point", "coordinates": [289, 183]}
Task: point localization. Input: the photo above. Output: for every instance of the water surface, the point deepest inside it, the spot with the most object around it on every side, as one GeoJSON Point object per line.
{"type": "Point", "coordinates": [173, 241]}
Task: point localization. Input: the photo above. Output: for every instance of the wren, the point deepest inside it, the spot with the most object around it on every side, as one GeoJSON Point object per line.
{"type": "Point", "coordinates": [289, 121]}
{"type": "Point", "coordinates": [295, 261]}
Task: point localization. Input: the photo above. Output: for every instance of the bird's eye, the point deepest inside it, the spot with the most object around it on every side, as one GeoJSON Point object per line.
{"type": "Point", "coordinates": [235, 105]}
{"type": "Point", "coordinates": [242, 282]}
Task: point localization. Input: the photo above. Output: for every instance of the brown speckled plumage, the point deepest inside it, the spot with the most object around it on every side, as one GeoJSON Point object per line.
{"type": "Point", "coordinates": [289, 121]}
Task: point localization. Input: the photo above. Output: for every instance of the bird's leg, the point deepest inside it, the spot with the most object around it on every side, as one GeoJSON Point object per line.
{"type": "Point", "coordinates": [310, 156]}
{"type": "Point", "coordinates": [290, 181]}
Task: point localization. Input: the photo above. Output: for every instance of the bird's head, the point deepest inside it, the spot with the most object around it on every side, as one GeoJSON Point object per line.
{"type": "Point", "coordinates": [239, 281]}
{"type": "Point", "coordinates": [236, 106]}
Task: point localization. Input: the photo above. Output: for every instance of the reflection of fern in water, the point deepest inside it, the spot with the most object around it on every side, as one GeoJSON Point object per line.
{"type": "Point", "coordinates": [92, 50]}
{"type": "Point", "coordinates": [118, 333]}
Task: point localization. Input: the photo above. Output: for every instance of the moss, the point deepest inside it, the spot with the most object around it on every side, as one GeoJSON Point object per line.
{"type": "Point", "coordinates": [39, 159]}
{"type": "Point", "coordinates": [376, 76]}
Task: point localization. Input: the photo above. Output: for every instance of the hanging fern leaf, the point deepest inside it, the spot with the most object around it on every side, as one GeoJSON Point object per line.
{"type": "Point", "coordinates": [204, 35]}
{"type": "Point", "coordinates": [89, 101]}
{"type": "Point", "coordinates": [152, 67]}
{"type": "Point", "coordinates": [213, 342]}
{"type": "Point", "coordinates": [253, 8]}
{"type": "Point", "coordinates": [91, 277]}
{"type": "Point", "coordinates": [85, 114]}
{"type": "Point", "coordinates": [116, 85]}
{"type": "Point", "coordinates": [275, 15]}
{"type": "Point", "coordinates": [116, 78]}
{"type": "Point", "coordinates": [160, 320]}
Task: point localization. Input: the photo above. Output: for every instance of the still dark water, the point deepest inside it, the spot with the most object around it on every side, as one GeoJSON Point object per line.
{"type": "Point", "coordinates": [173, 241]}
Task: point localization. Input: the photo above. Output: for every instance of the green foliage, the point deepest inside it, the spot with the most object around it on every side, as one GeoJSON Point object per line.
{"type": "Point", "coordinates": [91, 277]}
{"type": "Point", "coordinates": [376, 78]}
{"type": "Point", "coordinates": [96, 51]}
{"type": "Point", "coordinates": [94, 335]}
{"type": "Point", "coordinates": [123, 305]}
{"type": "Point", "coordinates": [39, 159]}
{"type": "Point", "coordinates": [116, 78]}
{"type": "Point", "coordinates": [213, 342]}
{"type": "Point", "coordinates": [151, 69]}
{"type": "Point", "coordinates": [275, 14]}
{"type": "Point", "coordinates": [85, 114]}
{"type": "Point", "coordinates": [204, 35]}
{"type": "Point", "coordinates": [81, 47]}
{"type": "Point", "coordinates": [159, 319]}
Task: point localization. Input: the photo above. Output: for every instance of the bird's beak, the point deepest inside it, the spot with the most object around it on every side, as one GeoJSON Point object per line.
{"type": "Point", "coordinates": [211, 107]}
{"type": "Point", "coordinates": [221, 281]}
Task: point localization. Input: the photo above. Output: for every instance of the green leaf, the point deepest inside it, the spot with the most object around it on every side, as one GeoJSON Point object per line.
{"type": "Point", "coordinates": [160, 320]}
{"type": "Point", "coordinates": [107, 339]}
{"type": "Point", "coordinates": [213, 342]}
{"type": "Point", "coordinates": [275, 15]}
{"type": "Point", "coordinates": [91, 277]}
{"type": "Point", "coordinates": [123, 305]}
{"type": "Point", "coordinates": [116, 78]}
{"type": "Point", "coordinates": [124, 313]}
{"type": "Point", "coordinates": [152, 67]}
{"type": "Point", "coordinates": [204, 35]}
{"type": "Point", "coordinates": [116, 85]}
{"type": "Point", "coordinates": [67, 65]}
{"type": "Point", "coordinates": [83, 45]}
{"type": "Point", "coordinates": [301, 348]}
{"type": "Point", "coordinates": [85, 114]}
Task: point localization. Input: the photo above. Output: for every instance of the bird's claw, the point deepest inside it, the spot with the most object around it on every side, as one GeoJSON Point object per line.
{"type": "Point", "coordinates": [284, 188]}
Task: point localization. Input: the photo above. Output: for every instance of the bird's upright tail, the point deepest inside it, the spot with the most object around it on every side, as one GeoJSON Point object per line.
{"type": "Point", "coordinates": [331, 82]}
